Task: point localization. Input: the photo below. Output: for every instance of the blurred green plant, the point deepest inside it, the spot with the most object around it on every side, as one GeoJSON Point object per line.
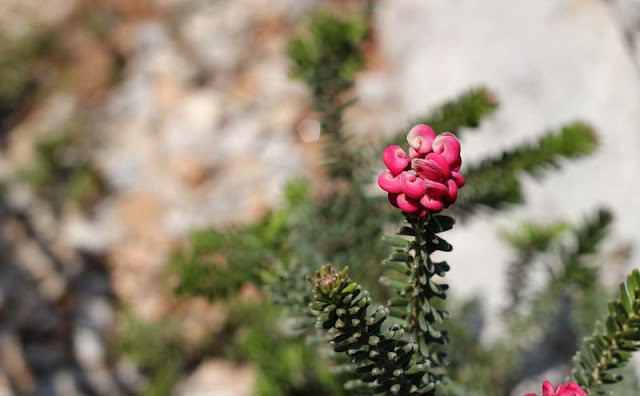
{"type": "Point", "coordinates": [62, 170]}
{"type": "Point", "coordinates": [495, 182]}
{"type": "Point", "coordinates": [285, 363]}
{"type": "Point", "coordinates": [157, 348]}
{"type": "Point", "coordinates": [19, 62]}
{"type": "Point", "coordinates": [327, 56]}
{"type": "Point", "coordinates": [216, 263]}
{"type": "Point", "coordinates": [464, 112]}
{"type": "Point", "coordinates": [20, 71]}
{"type": "Point", "coordinates": [609, 348]}
{"type": "Point", "coordinates": [253, 333]}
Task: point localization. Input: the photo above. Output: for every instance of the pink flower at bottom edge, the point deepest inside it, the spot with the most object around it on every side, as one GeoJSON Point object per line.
{"type": "Point", "coordinates": [566, 389]}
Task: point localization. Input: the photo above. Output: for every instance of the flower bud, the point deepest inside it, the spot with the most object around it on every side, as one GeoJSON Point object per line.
{"type": "Point", "coordinates": [407, 204]}
{"type": "Point", "coordinates": [389, 183]}
{"type": "Point", "coordinates": [412, 185]}
{"type": "Point", "coordinates": [431, 204]}
{"type": "Point", "coordinates": [449, 147]}
{"type": "Point", "coordinates": [395, 159]}
{"type": "Point", "coordinates": [459, 179]}
{"type": "Point", "coordinates": [421, 137]}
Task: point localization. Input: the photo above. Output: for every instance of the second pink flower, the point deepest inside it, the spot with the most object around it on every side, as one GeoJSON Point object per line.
{"type": "Point", "coordinates": [427, 179]}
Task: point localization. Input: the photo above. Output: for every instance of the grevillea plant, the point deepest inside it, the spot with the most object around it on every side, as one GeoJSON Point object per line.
{"type": "Point", "coordinates": [396, 348]}
{"type": "Point", "coordinates": [279, 251]}
{"type": "Point", "coordinates": [400, 348]}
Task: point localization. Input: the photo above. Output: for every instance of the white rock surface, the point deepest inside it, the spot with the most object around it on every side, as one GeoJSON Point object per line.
{"type": "Point", "coordinates": [550, 62]}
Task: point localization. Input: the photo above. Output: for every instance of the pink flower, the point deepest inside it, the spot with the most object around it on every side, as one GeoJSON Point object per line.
{"type": "Point", "coordinates": [568, 389]}
{"type": "Point", "coordinates": [427, 180]}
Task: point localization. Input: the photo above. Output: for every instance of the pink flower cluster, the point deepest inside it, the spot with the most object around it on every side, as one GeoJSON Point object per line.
{"type": "Point", "coordinates": [568, 389]}
{"type": "Point", "coordinates": [426, 180]}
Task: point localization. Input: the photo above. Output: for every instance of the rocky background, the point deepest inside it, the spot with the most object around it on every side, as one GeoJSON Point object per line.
{"type": "Point", "coordinates": [135, 122]}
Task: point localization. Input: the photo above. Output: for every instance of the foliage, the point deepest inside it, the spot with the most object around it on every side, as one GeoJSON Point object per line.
{"type": "Point", "coordinates": [611, 345]}
{"type": "Point", "coordinates": [533, 240]}
{"type": "Point", "coordinates": [385, 362]}
{"type": "Point", "coordinates": [62, 170]}
{"type": "Point", "coordinates": [465, 111]}
{"type": "Point", "coordinates": [529, 241]}
{"type": "Point", "coordinates": [19, 66]}
{"type": "Point", "coordinates": [342, 312]}
{"type": "Point", "coordinates": [285, 363]}
{"type": "Point", "coordinates": [253, 333]}
{"type": "Point", "coordinates": [287, 291]}
{"type": "Point", "coordinates": [155, 347]}
{"type": "Point", "coordinates": [541, 316]}
{"type": "Point", "coordinates": [327, 56]}
{"type": "Point", "coordinates": [216, 264]}
{"type": "Point", "coordinates": [417, 291]}
{"type": "Point", "coordinates": [495, 182]}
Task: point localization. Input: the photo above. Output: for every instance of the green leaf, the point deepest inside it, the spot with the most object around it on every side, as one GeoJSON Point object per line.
{"type": "Point", "coordinates": [610, 348]}
{"type": "Point", "coordinates": [396, 241]}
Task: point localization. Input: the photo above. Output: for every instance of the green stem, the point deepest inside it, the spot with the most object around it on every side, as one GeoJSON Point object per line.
{"type": "Point", "coordinates": [418, 226]}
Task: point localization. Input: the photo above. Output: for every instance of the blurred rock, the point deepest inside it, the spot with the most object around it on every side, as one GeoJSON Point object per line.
{"type": "Point", "coordinates": [64, 382]}
{"type": "Point", "coordinates": [90, 64]}
{"type": "Point", "coordinates": [39, 267]}
{"type": "Point", "coordinates": [88, 347]}
{"type": "Point", "coordinates": [5, 386]}
{"type": "Point", "coordinates": [45, 356]}
{"type": "Point", "coordinates": [629, 13]}
{"type": "Point", "coordinates": [138, 9]}
{"type": "Point", "coordinates": [11, 357]}
{"type": "Point", "coordinates": [55, 111]}
{"type": "Point", "coordinates": [218, 378]}
{"type": "Point", "coordinates": [199, 130]}
{"type": "Point", "coordinates": [129, 374]}
{"type": "Point", "coordinates": [18, 17]}
{"type": "Point", "coordinates": [201, 319]}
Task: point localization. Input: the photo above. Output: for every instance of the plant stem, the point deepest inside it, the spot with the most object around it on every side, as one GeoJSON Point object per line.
{"type": "Point", "coordinates": [418, 225]}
